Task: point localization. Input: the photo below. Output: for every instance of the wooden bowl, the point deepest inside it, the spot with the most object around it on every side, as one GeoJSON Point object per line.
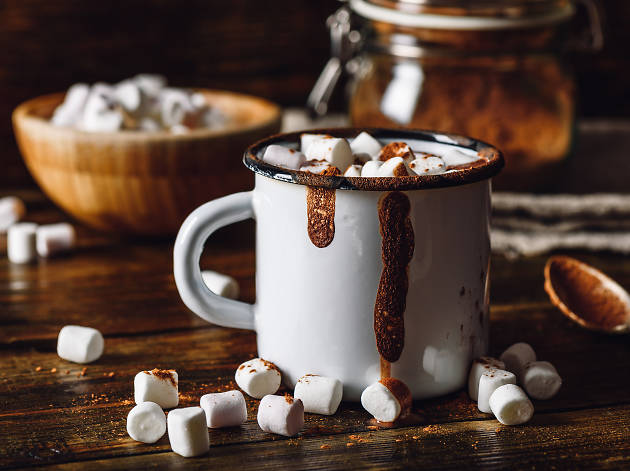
{"type": "Point", "coordinates": [141, 182]}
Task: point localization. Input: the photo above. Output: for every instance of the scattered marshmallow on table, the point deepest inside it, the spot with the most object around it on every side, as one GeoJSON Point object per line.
{"type": "Point", "coordinates": [21, 242]}
{"type": "Point", "coordinates": [55, 238]}
{"type": "Point", "coordinates": [428, 165]}
{"type": "Point", "coordinates": [282, 156]}
{"type": "Point", "coordinates": [226, 409]}
{"type": "Point", "coordinates": [387, 399]}
{"type": "Point", "coordinates": [319, 394]}
{"type": "Point", "coordinates": [334, 150]}
{"type": "Point", "coordinates": [479, 366]}
{"type": "Point", "coordinates": [258, 377]}
{"type": "Point", "coordinates": [80, 344]}
{"type": "Point", "coordinates": [146, 422]}
{"type": "Point", "coordinates": [159, 386]}
{"type": "Point", "coordinates": [393, 167]}
{"type": "Point", "coordinates": [540, 379]}
{"type": "Point", "coordinates": [364, 143]}
{"type": "Point", "coordinates": [454, 157]}
{"type": "Point", "coordinates": [488, 382]}
{"type": "Point", "coordinates": [188, 431]}
{"type": "Point", "coordinates": [516, 357]}
{"type": "Point", "coordinates": [220, 284]}
{"type": "Point", "coordinates": [12, 209]}
{"type": "Point", "coordinates": [282, 415]}
{"type": "Point", "coordinates": [510, 405]}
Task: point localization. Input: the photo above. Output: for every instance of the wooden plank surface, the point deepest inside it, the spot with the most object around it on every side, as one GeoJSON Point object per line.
{"type": "Point", "coordinates": [125, 288]}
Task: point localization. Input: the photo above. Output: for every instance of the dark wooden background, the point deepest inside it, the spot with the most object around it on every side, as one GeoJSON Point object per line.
{"type": "Point", "coordinates": [273, 49]}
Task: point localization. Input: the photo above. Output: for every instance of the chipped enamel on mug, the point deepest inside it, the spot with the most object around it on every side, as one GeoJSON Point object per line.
{"type": "Point", "coordinates": [334, 255]}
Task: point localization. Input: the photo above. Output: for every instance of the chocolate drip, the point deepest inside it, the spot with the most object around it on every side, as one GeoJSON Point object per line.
{"type": "Point", "coordinates": [320, 210]}
{"type": "Point", "coordinates": [391, 297]}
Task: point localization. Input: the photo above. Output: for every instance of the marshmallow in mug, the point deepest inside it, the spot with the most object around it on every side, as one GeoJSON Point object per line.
{"type": "Point", "coordinates": [80, 344]}
{"type": "Point", "coordinates": [159, 386]}
{"type": "Point", "coordinates": [387, 399]}
{"type": "Point", "coordinates": [258, 377]}
{"type": "Point", "coordinates": [146, 422]}
{"type": "Point", "coordinates": [188, 431]}
{"type": "Point", "coordinates": [319, 394]}
{"type": "Point", "coordinates": [282, 415]}
{"type": "Point", "coordinates": [12, 209]}
{"type": "Point", "coordinates": [540, 379]}
{"type": "Point", "coordinates": [226, 409]}
{"type": "Point", "coordinates": [21, 242]}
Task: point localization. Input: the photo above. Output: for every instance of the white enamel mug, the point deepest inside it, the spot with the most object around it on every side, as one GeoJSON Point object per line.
{"type": "Point", "coordinates": [315, 306]}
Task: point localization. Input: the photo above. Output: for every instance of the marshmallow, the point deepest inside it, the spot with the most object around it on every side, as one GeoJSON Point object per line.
{"type": "Point", "coordinates": [480, 366]}
{"type": "Point", "coordinates": [21, 242]}
{"type": "Point", "coordinates": [402, 93]}
{"type": "Point", "coordinates": [371, 168]}
{"type": "Point", "coordinates": [386, 399]}
{"type": "Point", "coordinates": [353, 171]}
{"type": "Point", "coordinates": [150, 84]}
{"type": "Point", "coordinates": [220, 284]}
{"type": "Point", "coordinates": [54, 238]}
{"type": "Point", "coordinates": [211, 117]}
{"type": "Point", "coordinates": [307, 139]}
{"type": "Point", "coordinates": [175, 107]}
{"type": "Point", "coordinates": [510, 405]}
{"type": "Point", "coordinates": [99, 114]}
{"type": "Point", "coordinates": [488, 382]}
{"type": "Point", "coordinates": [316, 166]}
{"type": "Point", "coordinates": [12, 209]}
{"type": "Point", "coordinates": [282, 156]}
{"type": "Point", "coordinates": [146, 422]}
{"type": "Point", "coordinates": [281, 415]}
{"type": "Point", "coordinates": [159, 386]}
{"type": "Point", "coordinates": [516, 356]}
{"type": "Point", "coordinates": [365, 144]}
{"type": "Point", "coordinates": [69, 112]}
{"type": "Point", "coordinates": [188, 431]}
{"type": "Point", "coordinates": [332, 149]}
{"type": "Point", "coordinates": [393, 167]}
{"type": "Point", "coordinates": [179, 129]}
{"type": "Point", "coordinates": [397, 149]}
{"type": "Point", "coordinates": [428, 165]}
{"type": "Point", "coordinates": [127, 93]}
{"type": "Point", "coordinates": [80, 344]}
{"type": "Point", "coordinates": [258, 377]}
{"type": "Point", "coordinates": [226, 409]}
{"type": "Point", "coordinates": [319, 394]}
{"type": "Point", "coordinates": [541, 380]}
{"type": "Point", "coordinates": [148, 124]}
{"type": "Point", "coordinates": [455, 157]}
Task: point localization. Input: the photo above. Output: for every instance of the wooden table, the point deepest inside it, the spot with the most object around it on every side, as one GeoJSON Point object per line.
{"type": "Point", "coordinates": [60, 415]}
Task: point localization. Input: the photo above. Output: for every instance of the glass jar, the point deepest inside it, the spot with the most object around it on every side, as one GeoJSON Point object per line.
{"type": "Point", "coordinates": [492, 71]}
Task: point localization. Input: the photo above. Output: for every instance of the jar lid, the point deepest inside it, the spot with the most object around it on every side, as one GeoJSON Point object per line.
{"type": "Point", "coordinates": [464, 14]}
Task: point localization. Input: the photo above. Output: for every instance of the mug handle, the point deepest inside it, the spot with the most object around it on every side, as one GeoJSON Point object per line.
{"type": "Point", "coordinates": [192, 236]}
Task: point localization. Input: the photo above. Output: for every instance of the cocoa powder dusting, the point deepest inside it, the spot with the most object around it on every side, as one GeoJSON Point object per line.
{"type": "Point", "coordinates": [288, 398]}
{"type": "Point", "coordinates": [395, 149]}
{"type": "Point", "coordinates": [320, 211]}
{"type": "Point", "coordinates": [165, 375]}
{"type": "Point", "coordinates": [397, 250]}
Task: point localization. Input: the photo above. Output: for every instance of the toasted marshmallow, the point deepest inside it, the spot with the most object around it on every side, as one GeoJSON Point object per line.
{"type": "Point", "coordinates": [386, 399]}
{"type": "Point", "coordinates": [489, 381]}
{"type": "Point", "coordinates": [226, 409]}
{"type": "Point", "coordinates": [371, 168]}
{"type": "Point", "coordinates": [146, 422]}
{"type": "Point", "coordinates": [319, 394]}
{"type": "Point", "coordinates": [397, 149]}
{"type": "Point", "coordinates": [282, 415]}
{"type": "Point", "coordinates": [220, 284]}
{"type": "Point", "coordinates": [393, 167]}
{"type": "Point", "coordinates": [80, 344]}
{"type": "Point", "coordinates": [510, 405]}
{"type": "Point", "coordinates": [258, 377]}
{"type": "Point", "coordinates": [516, 357]}
{"type": "Point", "coordinates": [427, 165]}
{"type": "Point", "coordinates": [455, 157]}
{"type": "Point", "coordinates": [12, 209]}
{"type": "Point", "coordinates": [282, 156]}
{"type": "Point", "coordinates": [334, 150]}
{"type": "Point", "coordinates": [480, 366]}
{"type": "Point", "coordinates": [364, 143]}
{"type": "Point", "coordinates": [159, 386]}
{"type": "Point", "coordinates": [353, 171]}
{"type": "Point", "coordinates": [21, 242]}
{"type": "Point", "coordinates": [540, 379]}
{"type": "Point", "coordinates": [307, 139]}
{"type": "Point", "coordinates": [188, 431]}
